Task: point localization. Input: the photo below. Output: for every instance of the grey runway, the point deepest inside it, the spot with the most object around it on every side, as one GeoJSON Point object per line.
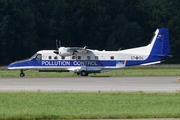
{"type": "Point", "coordinates": [92, 84]}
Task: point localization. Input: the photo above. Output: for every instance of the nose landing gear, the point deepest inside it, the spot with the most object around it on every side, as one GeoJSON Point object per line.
{"type": "Point", "coordinates": [22, 73]}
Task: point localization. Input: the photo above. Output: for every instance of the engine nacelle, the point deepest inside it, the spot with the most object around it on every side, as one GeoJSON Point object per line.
{"type": "Point", "coordinates": [64, 52]}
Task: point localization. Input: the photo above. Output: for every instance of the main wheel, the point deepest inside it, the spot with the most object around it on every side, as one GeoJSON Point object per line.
{"type": "Point", "coordinates": [84, 73]}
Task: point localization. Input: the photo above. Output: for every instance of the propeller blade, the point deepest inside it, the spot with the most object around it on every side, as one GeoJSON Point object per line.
{"type": "Point", "coordinates": [57, 44]}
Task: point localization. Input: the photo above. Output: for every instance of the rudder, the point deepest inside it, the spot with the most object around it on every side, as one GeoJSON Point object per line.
{"type": "Point", "coordinates": [161, 46]}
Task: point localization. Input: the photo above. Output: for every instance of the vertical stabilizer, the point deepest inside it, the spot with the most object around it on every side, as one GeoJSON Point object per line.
{"type": "Point", "coordinates": [161, 46]}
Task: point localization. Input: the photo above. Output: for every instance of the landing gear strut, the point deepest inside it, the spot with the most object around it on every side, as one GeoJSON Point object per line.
{"type": "Point", "coordinates": [78, 73]}
{"type": "Point", "coordinates": [22, 73]}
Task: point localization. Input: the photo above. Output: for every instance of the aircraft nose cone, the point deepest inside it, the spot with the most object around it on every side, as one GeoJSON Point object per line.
{"type": "Point", "coordinates": [10, 66]}
{"type": "Point", "coordinates": [17, 64]}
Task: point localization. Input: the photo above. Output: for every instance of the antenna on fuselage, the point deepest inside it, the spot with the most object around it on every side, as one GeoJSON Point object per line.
{"type": "Point", "coordinates": [85, 47]}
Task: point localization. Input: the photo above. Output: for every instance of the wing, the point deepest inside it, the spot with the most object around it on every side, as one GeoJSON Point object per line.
{"type": "Point", "coordinates": [67, 51]}
{"type": "Point", "coordinates": [78, 49]}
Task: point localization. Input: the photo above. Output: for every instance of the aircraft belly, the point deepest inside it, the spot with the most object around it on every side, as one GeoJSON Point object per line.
{"type": "Point", "coordinates": [93, 68]}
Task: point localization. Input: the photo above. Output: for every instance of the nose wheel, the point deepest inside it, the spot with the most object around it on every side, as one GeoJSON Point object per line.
{"type": "Point", "coordinates": [22, 73]}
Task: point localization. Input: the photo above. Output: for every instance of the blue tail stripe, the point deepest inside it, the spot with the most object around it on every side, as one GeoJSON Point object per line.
{"type": "Point", "coordinates": [161, 45]}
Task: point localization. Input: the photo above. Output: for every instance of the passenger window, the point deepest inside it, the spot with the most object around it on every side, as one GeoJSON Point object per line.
{"type": "Point", "coordinates": [88, 57]}
{"type": "Point", "coordinates": [39, 57]}
{"type": "Point", "coordinates": [50, 57]}
{"type": "Point", "coordinates": [79, 57]}
{"type": "Point", "coordinates": [55, 57]}
{"type": "Point", "coordinates": [62, 57]}
{"type": "Point", "coordinates": [112, 57]}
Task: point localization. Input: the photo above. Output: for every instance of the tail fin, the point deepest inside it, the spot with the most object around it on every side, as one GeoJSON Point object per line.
{"type": "Point", "coordinates": [160, 44]}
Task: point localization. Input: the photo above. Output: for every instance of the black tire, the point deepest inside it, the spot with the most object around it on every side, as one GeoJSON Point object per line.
{"type": "Point", "coordinates": [22, 74]}
{"type": "Point", "coordinates": [84, 73]}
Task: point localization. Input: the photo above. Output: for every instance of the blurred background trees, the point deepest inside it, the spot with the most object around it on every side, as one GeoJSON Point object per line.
{"type": "Point", "coordinates": [27, 26]}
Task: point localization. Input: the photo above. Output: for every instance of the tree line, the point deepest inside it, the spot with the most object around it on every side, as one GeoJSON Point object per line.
{"type": "Point", "coordinates": [27, 26]}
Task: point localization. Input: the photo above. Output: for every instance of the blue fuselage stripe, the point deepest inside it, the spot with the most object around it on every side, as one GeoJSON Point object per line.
{"type": "Point", "coordinates": [64, 63]}
{"type": "Point", "coordinates": [96, 63]}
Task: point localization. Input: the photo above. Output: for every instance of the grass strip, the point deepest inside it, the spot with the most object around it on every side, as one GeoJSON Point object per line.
{"type": "Point", "coordinates": [121, 72]}
{"type": "Point", "coordinates": [69, 105]}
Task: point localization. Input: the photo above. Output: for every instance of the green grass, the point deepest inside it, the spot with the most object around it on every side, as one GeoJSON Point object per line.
{"type": "Point", "coordinates": [152, 70]}
{"type": "Point", "coordinates": [121, 72]}
{"type": "Point", "coordinates": [67, 105]}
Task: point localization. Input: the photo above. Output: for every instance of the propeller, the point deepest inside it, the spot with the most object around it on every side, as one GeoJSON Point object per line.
{"type": "Point", "coordinates": [59, 43]}
{"type": "Point", "coordinates": [57, 46]}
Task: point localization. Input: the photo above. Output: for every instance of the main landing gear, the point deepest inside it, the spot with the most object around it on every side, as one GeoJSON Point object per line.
{"type": "Point", "coordinates": [22, 73]}
{"type": "Point", "coordinates": [84, 73]}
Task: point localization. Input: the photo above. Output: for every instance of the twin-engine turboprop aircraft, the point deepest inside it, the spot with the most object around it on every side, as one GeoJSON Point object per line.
{"type": "Point", "coordinates": [84, 61]}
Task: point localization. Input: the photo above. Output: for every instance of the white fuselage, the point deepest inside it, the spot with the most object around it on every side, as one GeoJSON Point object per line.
{"type": "Point", "coordinates": [91, 61]}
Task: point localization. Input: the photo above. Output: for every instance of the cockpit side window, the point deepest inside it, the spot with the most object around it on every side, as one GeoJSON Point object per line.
{"type": "Point", "coordinates": [39, 57]}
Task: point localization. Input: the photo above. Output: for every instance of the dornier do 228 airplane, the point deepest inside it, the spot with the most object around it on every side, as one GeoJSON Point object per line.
{"type": "Point", "coordinates": [84, 61]}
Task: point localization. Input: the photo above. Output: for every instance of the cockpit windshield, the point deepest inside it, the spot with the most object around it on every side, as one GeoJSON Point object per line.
{"type": "Point", "coordinates": [34, 56]}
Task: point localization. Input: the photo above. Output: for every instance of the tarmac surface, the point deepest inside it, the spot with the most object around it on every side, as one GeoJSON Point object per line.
{"type": "Point", "coordinates": [92, 84]}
